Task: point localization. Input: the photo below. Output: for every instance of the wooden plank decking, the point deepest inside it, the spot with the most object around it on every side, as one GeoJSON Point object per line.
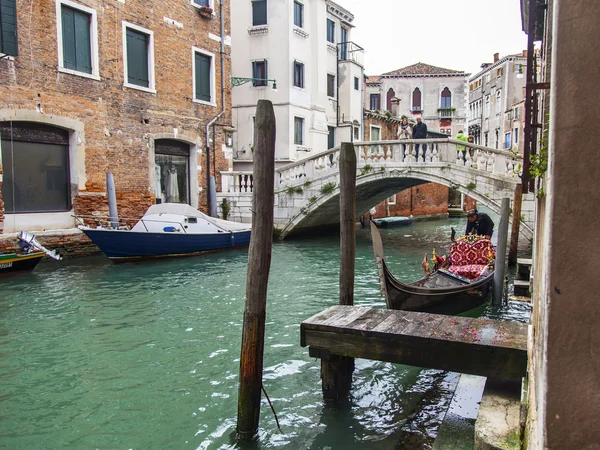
{"type": "Point", "coordinates": [495, 349]}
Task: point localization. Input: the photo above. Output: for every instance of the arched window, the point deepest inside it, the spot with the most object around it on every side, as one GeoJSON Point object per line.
{"type": "Point", "coordinates": [446, 98]}
{"type": "Point", "coordinates": [416, 100]}
{"type": "Point", "coordinates": [498, 102]}
{"type": "Point", "coordinates": [390, 96]}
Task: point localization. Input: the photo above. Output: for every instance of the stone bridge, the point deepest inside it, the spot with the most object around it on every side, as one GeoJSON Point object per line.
{"type": "Point", "coordinates": [307, 191]}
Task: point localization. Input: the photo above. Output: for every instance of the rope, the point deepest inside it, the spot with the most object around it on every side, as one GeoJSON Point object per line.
{"type": "Point", "coordinates": [271, 405]}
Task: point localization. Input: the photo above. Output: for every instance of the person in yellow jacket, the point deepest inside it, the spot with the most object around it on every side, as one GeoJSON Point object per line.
{"type": "Point", "coordinates": [462, 137]}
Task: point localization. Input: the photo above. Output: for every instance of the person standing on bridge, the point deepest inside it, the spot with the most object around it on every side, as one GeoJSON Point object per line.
{"type": "Point", "coordinates": [462, 137]}
{"type": "Point", "coordinates": [479, 223]}
{"type": "Point", "coordinates": [420, 132]}
{"type": "Point", "coordinates": [405, 132]}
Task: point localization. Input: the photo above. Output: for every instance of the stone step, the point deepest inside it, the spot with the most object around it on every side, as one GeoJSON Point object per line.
{"type": "Point", "coordinates": [521, 288]}
{"type": "Point", "coordinates": [523, 268]}
{"type": "Point", "coordinates": [519, 298]}
{"type": "Point", "coordinates": [498, 424]}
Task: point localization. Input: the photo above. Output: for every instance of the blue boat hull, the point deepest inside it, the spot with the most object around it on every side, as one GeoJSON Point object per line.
{"type": "Point", "coordinates": [123, 245]}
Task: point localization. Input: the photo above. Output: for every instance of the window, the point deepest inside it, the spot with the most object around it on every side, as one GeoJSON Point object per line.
{"type": "Point", "coordinates": [391, 200]}
{"type": "Point", "coordinates": [331, 137]}
{"type": "Point", "coordinates": [204, 76]}
{"type": "Point", "coordinates": [259, 12]}
{"type": "Point", "coordinates": [509, 116]}
{"type": "Point", "coordinates": [517, 113]}
{"type": "Point", "coordinates": [344, 46]}
{"type": "Point", "coordinates": [497, 138]}
{"type": "Point", "coordinates": [374, 103]}
{"type": "Point", "coordinates": [330, 31]}
{"type": "Point", "coordinates": [486, 139]}
{"type": "Point", "coordinates": [298, 14]}
{"type": "Point", "coordinates": [498, 102]}
{"type": "Point", "coordinates": [298, 131]}
{"type": "Point", "coordinates": [519, 68]}
{"type": "Point", "coordinates": [356, 133]}
{"type": "Point", "coordinates": [259, 70]}
{"type": "Point", "coordinates": [35, 161]}
{"type": "Point", "coordinates": [390, 96]}
{"type": "Point", "coordinates": [487, 106]}
{"type": "Point", "coordinates": [201, 2]}
{"type": "Point", "coordinates": [446, 99]}
{"type": "Point", "coordinates": [416, 100]}
{"type": "Point", "coordinates": [375, 136]}
{"type": "Point", "coordinates": [516, 135]}
{"type": "Point", "coordinates": [138, 52]}
{"type": "Point", "coordinates": [507, 141]}
{"type": "Point", "coordinates": [499, 72]}
{"type": "Point", "coordinates": [330, 85]}
{"type": "Point", "coordinates": [77, 39]}
{"type": "Point", "coordinates": [298, 74]}
{"type": "Point", "coordinates": [356, 83]}
{"type": "Point", "coordinates": [171, 171]}
{"type": "Point", "coordinates": [8, 27]}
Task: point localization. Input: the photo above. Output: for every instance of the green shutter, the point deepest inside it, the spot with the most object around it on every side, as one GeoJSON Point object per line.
{"type": "Point", "coordinates": [8, 27]}
{"type": "Point", "coordinates": [203, 88]}
{"type": "Point", "coordinates": [83, 43]}
{"type": "Point", "coordinates": [68, 38]}
{"type": "Point", "coordinates": [137, 58]}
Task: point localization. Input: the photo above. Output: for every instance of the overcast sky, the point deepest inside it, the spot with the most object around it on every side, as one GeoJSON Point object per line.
{"type": "Point", "coordinates": [455, 34]}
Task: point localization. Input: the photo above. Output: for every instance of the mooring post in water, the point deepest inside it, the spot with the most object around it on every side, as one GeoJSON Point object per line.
{"type": "Point", "coordinates": [500, 267]}
{"type": "Point", "coordinates": [516, 226]}
{"type": "Point", "coordinates": [259, 263]}
{"type": "Point", "coordinates": [112, 201]}
{"type": "Point", "coordinates": [336, 372]}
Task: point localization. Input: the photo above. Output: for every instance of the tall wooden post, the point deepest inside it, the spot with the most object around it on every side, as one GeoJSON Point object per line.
{"type": "Point", "coordinates": [336, 372]}
{"type": "Point", "coordinates": [259, 263]}
{"type": "Point", "coordinates": [516, 226]}
{"type": "Point", "coordinates": [500, 269]}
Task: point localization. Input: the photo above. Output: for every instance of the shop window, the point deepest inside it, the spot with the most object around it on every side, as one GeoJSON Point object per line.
{"type": "Point", "coordinates": [171, 171]}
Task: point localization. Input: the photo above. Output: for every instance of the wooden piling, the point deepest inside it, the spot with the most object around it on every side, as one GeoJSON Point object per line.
{"type": "Point", "coordinates": [516, 226]}
{"type": "Point", "coordinates": [336, 371]}
{"type": "Point", "coordinates": [500, 269]}
{"type": "Point", "coordinates": [259, 263]}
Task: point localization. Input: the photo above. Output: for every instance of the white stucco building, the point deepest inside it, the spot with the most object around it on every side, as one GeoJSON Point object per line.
{"type": "Point", "coordinates": [436, 94]}
{"type": "Point", "coordinates": [495, 94]}
{"type": "Point", "coordinates": [304, 46]}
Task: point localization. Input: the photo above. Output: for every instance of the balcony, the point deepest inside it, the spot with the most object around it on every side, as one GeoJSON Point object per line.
{"type": "Point", "coordinates": [446, 113]}
{"type": "Point", "coordinates": [350, 51]}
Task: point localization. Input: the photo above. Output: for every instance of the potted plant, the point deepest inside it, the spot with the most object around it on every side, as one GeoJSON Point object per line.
{"type": "Point", "coordinates": [206, 11]}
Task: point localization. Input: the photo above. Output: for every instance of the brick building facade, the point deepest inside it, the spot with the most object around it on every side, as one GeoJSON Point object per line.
{"type": "Point", "coordinates": [96, 86]}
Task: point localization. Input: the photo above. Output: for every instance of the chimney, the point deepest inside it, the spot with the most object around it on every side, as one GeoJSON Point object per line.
{"type": "Point", "coordinates": [496, 57]}
{"type": "Point", "coordinates": [525, 53]}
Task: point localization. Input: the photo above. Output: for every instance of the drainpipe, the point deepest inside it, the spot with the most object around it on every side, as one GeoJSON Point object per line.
{"type": "Point", "coordinates": [211, 194]}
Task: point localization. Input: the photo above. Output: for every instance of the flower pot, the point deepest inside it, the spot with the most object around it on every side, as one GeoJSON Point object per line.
{"type": "Point", "coordinates": [206, 14]}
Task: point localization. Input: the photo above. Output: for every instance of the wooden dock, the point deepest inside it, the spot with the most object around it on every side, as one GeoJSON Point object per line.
{"type": "Point", "coordinates": [494, 349]}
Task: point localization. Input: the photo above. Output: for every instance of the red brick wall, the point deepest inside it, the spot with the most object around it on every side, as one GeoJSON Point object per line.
{"type": "Point", "coordinates": [119, 121]}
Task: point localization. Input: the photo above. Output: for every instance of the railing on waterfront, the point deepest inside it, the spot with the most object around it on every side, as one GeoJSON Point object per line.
{"type": "Point", "coordinates": [398, 153]}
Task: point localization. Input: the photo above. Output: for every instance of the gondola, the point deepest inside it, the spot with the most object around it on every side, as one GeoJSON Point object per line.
{"type": "Point", "coordinates": [444, 290]}
{"type": "Point", "coordinates": [31, 254]}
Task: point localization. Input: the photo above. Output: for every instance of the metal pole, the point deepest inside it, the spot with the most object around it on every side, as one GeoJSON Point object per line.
{"type": "Point", "coordinates": [112, 201]}
{"type": "Point", "coordinates": [500, 268]}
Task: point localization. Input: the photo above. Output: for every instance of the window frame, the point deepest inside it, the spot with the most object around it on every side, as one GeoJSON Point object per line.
{"type": "Point", "coordinates": [94, 59]}
{"type": "Point", "coordinates": [418, 107]}
{"type": "Point", "coordinates": [442, 97]}
{"type": "Point", "coordinates": [302, 79]}
{"type": "Point", "coordinates": [330, 137]}
{"type": "Point", "coordinates": [332, 35]}
{"type": "Point", "coordinates": [151, 77]}
{"type": "Point", "coordinates": [498, 101]}
{"type": "Point", "coordinates": [211, 4]}
{"type": "Point", "coordinates": [266, 13]}
{"type": "Point", "coordinates": [301, 5]}
{"type": "Point", "coordinates": [11, 56]}
{"type": "Point", "coordinates": [213, 88]}
{"type": "Point", "coordinates": [371, 97]}
{"type": "Point", "coordinates": [302, 131]}
{"type": "Point", "coordinates": [356, 84]}
{"type": "Point", "coordinates": [329, 76]}
{"type": "Point", "coordinates": [508, 140]}
{"type": "Point", "coordinates": [516, 136]}
{"type": "Point", "coordinates": [264, 83]}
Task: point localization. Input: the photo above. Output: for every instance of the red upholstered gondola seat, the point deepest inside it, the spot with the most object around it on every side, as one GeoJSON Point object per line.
{"type": "Point", "coordinates": [469, 260]}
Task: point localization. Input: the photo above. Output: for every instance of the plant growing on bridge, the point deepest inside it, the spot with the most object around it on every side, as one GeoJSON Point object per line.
{"type": "Point", "coordinates": [312, 199]}
{"type": "Point", "coordinates": [307, 184]}
{"type": "Point", "coordinates": [471, 186]}
{"type": "Point", "coordinates": [367, 168]}
{"type": "Point", "coordinates": [328, 188]}
{"type": "Point", "coordinates": [291, 190]}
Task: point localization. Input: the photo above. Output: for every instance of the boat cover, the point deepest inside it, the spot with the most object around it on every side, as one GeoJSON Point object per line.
{"type": "Point", "coordinates": [188, 211]}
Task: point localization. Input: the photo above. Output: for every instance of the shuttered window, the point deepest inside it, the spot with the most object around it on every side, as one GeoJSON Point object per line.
{"type": "Point", "coordinates": [203, 68]}
{"type": "Point", "coordinates": [298, 74]}
{"type": "Point", "coordinates": [137, 58]}
{"type": "Point", "coordinates": [77, 54]}
{"type": "Point", "coordinates": [330, 85]}
{"type": "Point", "coordinates": [298, 131]}
{"type": "Point", "coordinates": [8, 27]}
{"type": "Point", "coordinates": [330, 31]}
{"type": "Point", "coordinates": [259, 73]}
{"type": "Point", "coordinates": [298, 14]}
{"type": "Point", "coordinates": [259, 12]}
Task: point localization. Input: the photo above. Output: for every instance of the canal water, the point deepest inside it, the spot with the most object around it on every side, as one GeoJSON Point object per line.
{"type": "Point", "coordinates": [145, 355]}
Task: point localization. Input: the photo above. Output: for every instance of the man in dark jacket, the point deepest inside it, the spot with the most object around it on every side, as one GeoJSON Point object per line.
{"type": "Point", "coordinates": [420, 132]}
{"type": "Point", "coordinates": [479, 223]}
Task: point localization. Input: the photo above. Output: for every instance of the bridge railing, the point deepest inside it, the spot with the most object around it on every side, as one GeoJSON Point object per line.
{"type": "Point", "coordinates": [398, 153]}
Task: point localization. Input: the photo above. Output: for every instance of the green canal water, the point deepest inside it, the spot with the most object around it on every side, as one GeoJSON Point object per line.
{"type": "Point", "coordinates": [95, 355]}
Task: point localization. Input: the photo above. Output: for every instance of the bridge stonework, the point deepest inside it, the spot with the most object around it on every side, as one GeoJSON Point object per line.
{"type": "Point", "coordinates": [307, 191]}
